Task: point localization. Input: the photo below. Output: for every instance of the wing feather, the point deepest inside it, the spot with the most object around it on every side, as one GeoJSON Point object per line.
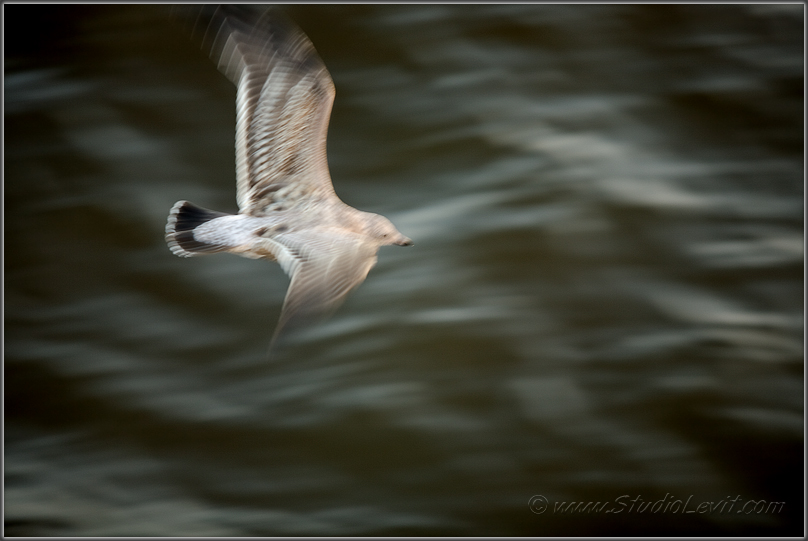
{"type": "Point", "coordinates": [324, 268]}
{"type": "Point", "coordinates": [283, 104]}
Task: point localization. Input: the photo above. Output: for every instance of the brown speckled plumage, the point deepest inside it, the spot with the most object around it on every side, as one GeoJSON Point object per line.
{"type": "Point", "coordinates": [288, 210]}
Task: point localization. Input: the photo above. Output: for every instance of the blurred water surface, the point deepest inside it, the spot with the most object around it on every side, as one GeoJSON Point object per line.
{"type": "Point", "coordinates": [604, 299]}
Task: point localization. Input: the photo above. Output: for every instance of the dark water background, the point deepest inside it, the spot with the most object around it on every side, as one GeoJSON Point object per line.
{"type": "Point", "coordinates": [604, 300]}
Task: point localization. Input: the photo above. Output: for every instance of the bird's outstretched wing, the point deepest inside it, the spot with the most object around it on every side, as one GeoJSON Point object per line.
{"type": "Point", "coordinates": [324, 267]}
{"type": "Point", "coordinates": [283, 103]}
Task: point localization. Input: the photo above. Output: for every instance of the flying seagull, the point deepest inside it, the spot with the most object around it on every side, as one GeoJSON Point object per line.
{"type": "Point", "coordinates": [288, 210]}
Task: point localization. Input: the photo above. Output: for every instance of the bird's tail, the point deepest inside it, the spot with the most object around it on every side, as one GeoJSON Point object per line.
{"type": "Point", "coordinates": [182, 220]}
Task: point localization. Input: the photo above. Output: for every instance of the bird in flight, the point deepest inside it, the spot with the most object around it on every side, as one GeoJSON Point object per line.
{"type": "Point", "coordinates": [288, 210]}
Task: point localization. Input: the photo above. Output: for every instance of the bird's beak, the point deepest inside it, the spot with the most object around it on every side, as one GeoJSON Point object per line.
{"type": "Point", "coordinates": [404, 241]}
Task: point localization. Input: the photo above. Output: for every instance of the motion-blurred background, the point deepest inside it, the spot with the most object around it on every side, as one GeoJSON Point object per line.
{"type": "Point", "coordinates": [604, 300]}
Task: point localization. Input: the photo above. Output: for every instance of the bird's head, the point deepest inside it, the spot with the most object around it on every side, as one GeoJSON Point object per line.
{"type": "Point", "coordinates": [385, 232]}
